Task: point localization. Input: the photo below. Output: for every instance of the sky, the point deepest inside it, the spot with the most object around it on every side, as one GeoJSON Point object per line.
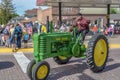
{"type": "Point", "coordinates": [23, 5]}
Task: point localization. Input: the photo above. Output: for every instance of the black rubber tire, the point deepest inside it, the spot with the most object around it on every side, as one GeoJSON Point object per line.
{"type": "Point", "coordinates": [90, 53]}
{"type": "Point", "coordinates": [29, 69]}
{"type": "Point", "coordinates": [37, 66]}
{"type": "Point", "coordinates": [59, 61]}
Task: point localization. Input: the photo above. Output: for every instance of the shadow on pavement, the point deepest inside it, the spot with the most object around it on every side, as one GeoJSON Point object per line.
{"type": "Point", "coordinates": [69, 70]}
{"type": "Point", "coordinates": [77, 69]}
{"type": "Point", "coordinates": [6, 64]}
{"type": "Point", "coordinates": [111, 67]}
{"type": "Point", "coordinates": [76, 60]}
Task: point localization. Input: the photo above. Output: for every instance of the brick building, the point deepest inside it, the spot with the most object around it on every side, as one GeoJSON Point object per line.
{"type": "Point", "coordinates": [52, 12]}
{"type": "Point", "coordinates": [31, 13]}
{"type": "Point", "coordinates": [68, 14]}
{"type": "Point", "coordinates": [42, 14]}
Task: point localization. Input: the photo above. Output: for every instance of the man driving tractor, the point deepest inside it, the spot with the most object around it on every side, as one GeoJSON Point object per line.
{"type": "Point", "coordinates": [82, 25]}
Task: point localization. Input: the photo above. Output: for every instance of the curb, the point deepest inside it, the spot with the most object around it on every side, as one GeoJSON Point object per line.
{"type": "Point", "coordinates": [9, 50]}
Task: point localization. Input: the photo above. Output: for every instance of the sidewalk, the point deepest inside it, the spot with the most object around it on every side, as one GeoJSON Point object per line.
{"type": "Point", "coordinates": [24, 50]}
{"type": "Point", "coordinates": [114, 42]}
{"type": "Point", "coordinates": [9, 50]}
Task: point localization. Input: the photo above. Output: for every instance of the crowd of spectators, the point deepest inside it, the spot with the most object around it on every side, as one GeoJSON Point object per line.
{"type": "Point", "coordinates": [12, 35]}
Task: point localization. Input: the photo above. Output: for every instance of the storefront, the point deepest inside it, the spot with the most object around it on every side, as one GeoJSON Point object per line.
{"type": "Point", "coordinates": [105, 4]}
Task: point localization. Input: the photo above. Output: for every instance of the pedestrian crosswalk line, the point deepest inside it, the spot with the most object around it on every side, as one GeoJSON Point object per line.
{"type": "Point", "coordinates": [22, 60]}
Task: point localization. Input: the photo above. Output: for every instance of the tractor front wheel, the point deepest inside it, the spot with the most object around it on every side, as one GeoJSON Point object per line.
{"type": "Point", "coordinates": [97, 52]}
{"type": "Point", "coordinates": [61, 59]}
{"type": "Point", "coordinates": [30, 68]}
{"type": "Point", "coordinates": [41, 71]}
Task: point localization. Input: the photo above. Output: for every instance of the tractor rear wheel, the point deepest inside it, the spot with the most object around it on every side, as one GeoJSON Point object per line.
{"type": "Point", "coordinates": [97, 52]}
{"type": "Point", "coordinates": [61, 59]}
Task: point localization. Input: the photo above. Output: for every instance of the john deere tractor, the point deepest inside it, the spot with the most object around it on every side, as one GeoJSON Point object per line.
{"type": "Point", "coordinates": [61, 47]}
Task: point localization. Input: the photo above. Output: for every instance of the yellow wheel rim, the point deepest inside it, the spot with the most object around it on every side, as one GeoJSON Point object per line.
{"type": "Point", "coordinates": [62, 57]}
{"type": "Point", "coordinates": [33, 67]}
{"type": "Point", "coordinates": [100, 52]}
{"type": "Point", "coordinates": [42, 72]}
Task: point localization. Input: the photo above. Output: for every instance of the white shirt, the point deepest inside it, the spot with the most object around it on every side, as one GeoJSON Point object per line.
{"type": "Point", "coordinates": [63, 29]}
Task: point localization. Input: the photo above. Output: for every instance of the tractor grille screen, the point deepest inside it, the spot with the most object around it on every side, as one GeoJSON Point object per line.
{"type": "Point", "coordinates": [42, 46]}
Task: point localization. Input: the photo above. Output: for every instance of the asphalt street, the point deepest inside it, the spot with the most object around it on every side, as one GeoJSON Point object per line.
{"type": "Point", "coordinates": [13, 65]}
{"type": "Point", "coordinates": [76, 69]}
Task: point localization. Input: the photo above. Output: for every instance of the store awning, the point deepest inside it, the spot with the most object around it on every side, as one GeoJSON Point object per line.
{"type": "Point", "coordinates": [79, 3]}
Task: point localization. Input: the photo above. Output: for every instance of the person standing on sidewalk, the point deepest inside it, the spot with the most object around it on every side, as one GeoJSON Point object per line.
{"type": "Point", "coordinates": [63, 28]}
{"type": "Point", "coordinates": [25, 37]}
{"type": "Point", "coordinates": [29, 29]}
{"type": "Point", "coordinates": [13, 38]}
{"type": "Point", "coordinates": [44, 28]}
{"type": "Point", "coordinates": [95, 29]}
{"type": "Point", "coordinates": [6, 34]}
{"type": "Point", "coordinates": [18, 32]}
{"type": "Point", "coordinates": [37, 27]}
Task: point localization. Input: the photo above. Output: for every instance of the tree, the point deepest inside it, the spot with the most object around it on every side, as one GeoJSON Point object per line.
{"type": "Point", "coordinates": [7, 11]}
{"type": "Point", "coordinates": [113, 11]}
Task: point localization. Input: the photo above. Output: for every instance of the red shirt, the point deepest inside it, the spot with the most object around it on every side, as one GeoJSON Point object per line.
{"type": "Point", "coordinates": [95, 29]}
{"type": "Point", "coordinates": [82, 24]}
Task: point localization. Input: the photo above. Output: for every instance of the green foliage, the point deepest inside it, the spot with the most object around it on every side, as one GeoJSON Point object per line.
{"type": "Point", "coordinates": [113, 11]}
{"type": "Point", "coordinates": [7, 11]}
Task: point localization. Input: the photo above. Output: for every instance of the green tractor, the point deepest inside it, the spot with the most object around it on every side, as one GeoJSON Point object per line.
{"type": "Point", "coordinates": [63, 46]}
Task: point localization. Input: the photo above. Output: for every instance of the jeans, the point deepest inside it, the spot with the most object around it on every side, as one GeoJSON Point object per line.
{"type": "Point", "coordinates": [84, 32]}
{"type": "Point", "coordinates": [19, 42]}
